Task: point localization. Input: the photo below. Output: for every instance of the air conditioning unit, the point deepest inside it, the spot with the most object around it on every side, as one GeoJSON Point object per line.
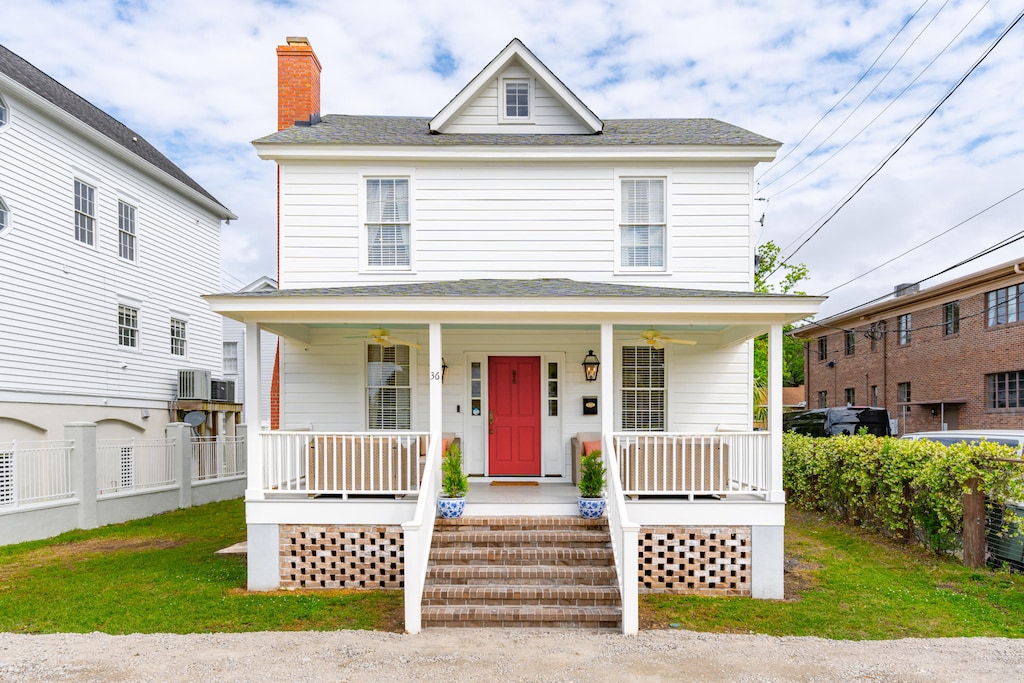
{"type": "Point", "coordinates": [218, 390]}
{"type": "Point", "coordinates": [231, 390]}
{"type": "Point", "coordinates": [193, 385]}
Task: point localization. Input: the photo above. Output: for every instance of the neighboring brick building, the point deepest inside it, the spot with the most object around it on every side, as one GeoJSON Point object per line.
{"type": "Point", "coordinates": [951, 354]}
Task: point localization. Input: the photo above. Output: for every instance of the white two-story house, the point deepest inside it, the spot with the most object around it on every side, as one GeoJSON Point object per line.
{"type": "Point", "coordinates": [106, 247]}
{"type": "Point", "coordinates": [447, 277]}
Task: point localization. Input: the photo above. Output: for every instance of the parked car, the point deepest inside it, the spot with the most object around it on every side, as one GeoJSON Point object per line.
{"type": "Point", "coordinates": [1008, 548]}
{"type": "Point", "coordinates": [834, 421]}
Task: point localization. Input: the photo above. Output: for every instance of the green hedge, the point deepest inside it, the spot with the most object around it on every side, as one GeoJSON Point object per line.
{"type": "Point", "coordinates": [907, 489]}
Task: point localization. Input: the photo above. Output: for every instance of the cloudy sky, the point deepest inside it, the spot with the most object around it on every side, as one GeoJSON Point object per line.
{"type": "Point", "coordinates": [842, 83]}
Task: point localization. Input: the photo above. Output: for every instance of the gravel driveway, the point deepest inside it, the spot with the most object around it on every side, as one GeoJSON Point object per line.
{"type": "Point", "coordinates": [500, 655]}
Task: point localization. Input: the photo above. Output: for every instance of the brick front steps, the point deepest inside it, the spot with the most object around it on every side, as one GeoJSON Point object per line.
{"type": "Point", "coordinates": [521, 571]}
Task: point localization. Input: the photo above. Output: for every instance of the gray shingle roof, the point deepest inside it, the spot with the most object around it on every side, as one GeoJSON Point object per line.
{"type": "Point", "coordinates": [335, 129]}
{"type": "Point", "coordinates": [536, 288]}
{"type": "Point", "coordinates": [38, 82]}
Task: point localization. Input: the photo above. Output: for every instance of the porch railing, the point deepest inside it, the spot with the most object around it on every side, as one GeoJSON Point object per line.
{"type": "Point", "coordinates": [217, 457]}
{"type": "Point", "coordinates": [418, 534]}
{"type": "Point", "coordinates": [625, 543]}
{"type": "Point", "coordinates": [693, 465]}
{"type": "Point", "coordinates": [34, 472]}
{"type": "Point", "coordinates": [343, 463]}
{"type": "Point", "coordinates": [134, 465]}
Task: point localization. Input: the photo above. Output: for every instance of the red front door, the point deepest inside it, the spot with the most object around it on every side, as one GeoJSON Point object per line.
{"type": "Point", "coordinates": [513, 398]}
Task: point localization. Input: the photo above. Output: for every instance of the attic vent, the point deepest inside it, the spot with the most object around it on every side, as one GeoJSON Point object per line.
{"type": "Point", "coordinates": [906, 288]}
{"type": "Point", "coordinates": [194, 385]}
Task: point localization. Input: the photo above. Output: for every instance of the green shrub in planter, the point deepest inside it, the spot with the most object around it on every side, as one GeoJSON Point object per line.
{"type": "Point", "coordinates": [591, 475]}
{"type": "Point", "coordinates": [454, 482]}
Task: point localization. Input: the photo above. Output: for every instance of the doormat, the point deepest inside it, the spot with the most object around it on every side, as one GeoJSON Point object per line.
{"type": "Point", "coordinates": [514, 483]}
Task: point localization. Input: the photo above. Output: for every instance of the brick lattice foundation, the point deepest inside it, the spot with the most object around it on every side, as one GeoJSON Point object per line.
{"type": "Point", "coordinates": [695, 561]}
{"type": "Point", "coordinates": [332, 556]}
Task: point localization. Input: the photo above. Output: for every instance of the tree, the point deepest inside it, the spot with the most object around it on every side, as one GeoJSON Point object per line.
{"type": "Point", "coordinates": [768, 261]}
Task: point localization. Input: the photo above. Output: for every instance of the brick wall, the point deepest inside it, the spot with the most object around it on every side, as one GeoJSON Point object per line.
{"type": "Point", "coordinates": [939, 367]}
{"type": "Point", "coordinates": [695, 561]}
{"type": "Point", "coordinates": [298, 83]}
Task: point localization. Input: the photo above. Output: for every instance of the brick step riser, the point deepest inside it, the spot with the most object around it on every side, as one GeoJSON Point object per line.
{"type": "Point", "coordinates": [519, 524]}
{"type": "Point", "coordinates": [538, 556]}
{"type": "Point", "coordinates": [520, 602]}
{"type": "Point", "coordinates": [590, 625]}
{"type": "Point", "coordinates": [498, 544]}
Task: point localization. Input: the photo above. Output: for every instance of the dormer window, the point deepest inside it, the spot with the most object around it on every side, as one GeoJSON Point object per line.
{"type": "Point", "coordinates": [517, 94]}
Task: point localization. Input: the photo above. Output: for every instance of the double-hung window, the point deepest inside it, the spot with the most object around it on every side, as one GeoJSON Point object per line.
{"type": "Point", "coordinates": [823, 348]}
{"type": "Point", "coordinates": [642, 224]}
{"type": "Point", "coordinates": [5, 115]}
{"type": "Point", "coordinates": [85, 213]}
{"type": "Point", "coordinates": [387, 223]}
{"type": "Point", "coordinates": [851, 342]}
{"type": "Point", "coordinates": [903, 329]}
{"type": "Point", "coordinates": [951, 318]}
{"type": "Point", "coordinates": [4, 216]}
{"type": "Point", "coordinates": [1004, 305]}
{"type": "Point", "coordinates": [230, 358]}
{"type": "Point", "coordinates": [516, 95]}
{"type": "Point", "coordinates": [128, 326]}
{"type": "Point", "coordinates": [388, 391]}
{"type": "Point", "coordinates": [126, 231]}
{"type": "Point", "coordinates": [643, 389]}
{"type": "Point", "coordinates": [178, 339]}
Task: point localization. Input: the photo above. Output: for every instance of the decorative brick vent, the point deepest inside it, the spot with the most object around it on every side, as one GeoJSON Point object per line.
{"type": "Point", "coordinates": [695, 561]}
{"type": "Point", "coordinates": [342, 557]}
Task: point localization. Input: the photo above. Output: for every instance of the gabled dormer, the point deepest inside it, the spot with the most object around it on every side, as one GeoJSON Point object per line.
{"type": "Point", "coordinates": [516, 93]}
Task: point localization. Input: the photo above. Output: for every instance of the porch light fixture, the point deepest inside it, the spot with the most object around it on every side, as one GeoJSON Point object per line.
{"type": "Point", "coordinates": [590, 366]}
{"type": "Point", "coordinates": [444, 370]}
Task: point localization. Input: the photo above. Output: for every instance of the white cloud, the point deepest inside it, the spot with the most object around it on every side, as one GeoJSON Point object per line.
{"type": "Point", "coordinates": [198, 80]}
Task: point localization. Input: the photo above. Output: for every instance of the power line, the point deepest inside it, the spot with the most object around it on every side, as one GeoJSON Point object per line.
{"type": "Point", "coordinates": [853, 193]}
{"type": "Point", "coordinates": [984, 252]}
{"type": "Point", "coordinates": [847, 94]}
{"type": "Point", "coordinates": [839, 101]}
{"type": "Point", "coordinates": [930, 239]}
{"type": "Point", "coordinates": [884, 109]}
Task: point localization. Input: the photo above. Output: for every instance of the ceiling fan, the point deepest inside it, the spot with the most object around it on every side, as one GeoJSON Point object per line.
{"type": "Point", "coordinates": [655, 338]}
{"type": "Point", "coordinates": [382, 336]}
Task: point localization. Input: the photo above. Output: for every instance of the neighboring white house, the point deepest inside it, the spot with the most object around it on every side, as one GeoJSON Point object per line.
{"type": "Point", "coordinates": [447, 277]}
{"type": "Point", "coordinates": [105, 249]}
{"type": "Point", "coordinates": [234, 354]}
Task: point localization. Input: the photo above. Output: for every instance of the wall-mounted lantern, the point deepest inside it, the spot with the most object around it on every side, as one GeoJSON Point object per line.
{"type": "Point", "coordinates": [590, 366]}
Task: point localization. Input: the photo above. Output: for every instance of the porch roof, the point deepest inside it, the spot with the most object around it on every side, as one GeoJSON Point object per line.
{"type": "Point", "coordinates": [515, 302]}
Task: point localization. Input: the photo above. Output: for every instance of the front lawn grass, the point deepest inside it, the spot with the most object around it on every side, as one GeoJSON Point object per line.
{"type": "Point", "coordinates": [160, 574]}
{"type": "Point", "coordinates": [848, 583]}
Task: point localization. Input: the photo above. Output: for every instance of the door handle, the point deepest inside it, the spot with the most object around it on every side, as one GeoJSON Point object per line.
{"type": "Point", "coordinates": [490, 421]}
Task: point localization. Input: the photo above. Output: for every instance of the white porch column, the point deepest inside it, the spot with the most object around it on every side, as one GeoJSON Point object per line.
{"type": "Point", "coordinates": [777, 494]}
{"type": "Point", "coordinates": [435, 380]}
{"type": "Point", "coordinates": [606, 402]}
{"type": "Point", "coordinates": [253, 445]}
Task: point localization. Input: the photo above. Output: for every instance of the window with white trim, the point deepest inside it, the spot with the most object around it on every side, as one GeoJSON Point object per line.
{"type": "Point", "coordinates": [178, 340]}
{"type": "Point", "coordinates": [5, 215]}
{"type": "Point", "coordinates": [642, 224]}
{"type": "Point", "coordinates": [517, 98]}
{"type": "Point", "coordinates": [5, 113]}
{"type": "Point", "coordinates": [85, 212]}
{"type": "Point", "coordinates": [643, 389]}
{"type": "Point", "coordinates": [387, 222]}
{"type": "Point", "coordinates": [388, 391]}
{"type": "Point", "coordinates": [126, 231]}
{"type": "Point", "coordinates": [128, 326]}
{"type": "Point", "coordinates": [230, 358]}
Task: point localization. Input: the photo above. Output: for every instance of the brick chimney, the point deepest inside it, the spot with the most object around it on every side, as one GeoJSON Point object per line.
{"type": "Point", "coordinates": [298, 83]}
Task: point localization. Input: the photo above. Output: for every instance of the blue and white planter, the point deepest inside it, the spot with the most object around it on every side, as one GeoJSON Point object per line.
{"type": "Point", "coordinates": [591, 508]}
{"type": "Point", "coordinates": [451, 508]}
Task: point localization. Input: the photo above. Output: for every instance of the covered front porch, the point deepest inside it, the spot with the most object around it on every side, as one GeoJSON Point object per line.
{"type": "Point", "coordinates": [672, 418]}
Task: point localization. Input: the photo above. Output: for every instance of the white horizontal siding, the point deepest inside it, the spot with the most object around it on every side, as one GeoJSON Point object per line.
{"type": "Point", "coordinates": [517, 221]}
{"type": "Point", "coordinates": [324, 380]}
{"type": "Point", "coordinates": [549, 114]}
{"type": "Point", "coordinates": [60, 297]}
